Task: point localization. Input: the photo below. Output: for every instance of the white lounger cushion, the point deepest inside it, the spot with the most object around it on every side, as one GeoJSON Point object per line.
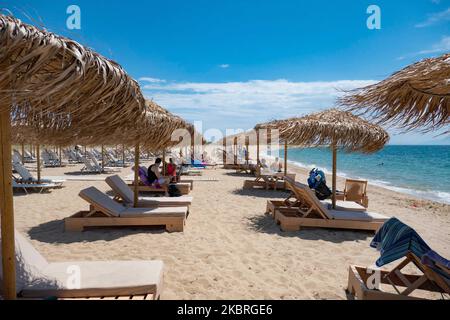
{"type": "Point", "coordinates": [99, 278]}
{"type": "Point", "coordinates": [163, 212]}
{"type": "Point", "coordinates": [357, 216]}
{"type": "Point", "coordinates": [176, 201]}
{"type": "Point", "coordinates": [101, 200]}
{"type": "Point", "coordinates": [343, 205]}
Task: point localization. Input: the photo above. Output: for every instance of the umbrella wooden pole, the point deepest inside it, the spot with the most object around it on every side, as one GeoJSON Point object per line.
{"type": "Point", "coordinates": [224, 155]}
{"type": "Point", "coordinates": [246, 150]}
{"type": "Point", "coordinates": [38, 158]}
{"type": "Point", "coordinates": [164, 163]}
{"type": "Point", "coordinates": [257, 146]}
{"type": "Point", "coordinates": [7, 209]}
{"type": "Point", "coordinates": [334, 174]}
{"type": "Point", "coordinates": [136, 176]}
{"type": "Point", "coordinates": [60, 157]}
{"type": "Point", "coordinates": [285, 157]}
{"type": "Point", "coordinates": [123, 155]}
{"type": "Point", "coordinates": [235, 151]}
{"type": "Point", "coordinates": [23, 153]}
{"type": "Point", "coordinates": [103, 158]}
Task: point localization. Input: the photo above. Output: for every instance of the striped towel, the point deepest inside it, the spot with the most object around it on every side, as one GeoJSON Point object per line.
{"type": "Point", "coordinates": [395, 239]}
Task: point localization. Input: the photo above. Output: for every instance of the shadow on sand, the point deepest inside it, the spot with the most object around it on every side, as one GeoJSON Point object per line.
{"type": "Point", "coordinates": [264, 223]}
{"type": "Point", "coordinates": [261, 193]}
{"type": "Point", "coordinates": [53, 232]}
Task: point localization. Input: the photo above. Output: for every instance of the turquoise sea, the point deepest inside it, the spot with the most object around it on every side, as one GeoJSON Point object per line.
{"type": "Point", "coordinates": [423, 171]}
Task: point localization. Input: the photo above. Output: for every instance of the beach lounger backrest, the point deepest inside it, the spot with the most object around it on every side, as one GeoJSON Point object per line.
{"type": "Point", "coordinates": [16, 158]}
{"type": "Point", "coordinates": [120, 188]}
{"type": "Point", "coordinates": [355, 190]}
{"type": "Point", "coordinates": [23, 172]}
{"type": "Point", "coordinates": [29, 263]}
{"type": "Point", "coordinates": [101, 201]}
{"type": "Point", "coordinates": [46, 157]}
{"type": "Point", "coordinates": [304, 195]}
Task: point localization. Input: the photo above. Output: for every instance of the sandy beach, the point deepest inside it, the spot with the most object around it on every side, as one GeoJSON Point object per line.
{"type": "Point", "coordinates": [230, 249]}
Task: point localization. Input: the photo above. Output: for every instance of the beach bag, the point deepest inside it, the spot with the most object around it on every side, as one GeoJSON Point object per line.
{"type": "Point", "coordinates": [322, 191]}
{"type": "Point", "coordinates": [316, 177]}
{"type": "Point", "coordinates": [174, 191]}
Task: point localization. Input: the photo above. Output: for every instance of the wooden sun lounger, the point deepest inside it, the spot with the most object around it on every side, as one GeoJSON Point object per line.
{"type": "Point", "coordinates": [312, 213]}
{"type": "Point", "coordinates": [33, 186]}
{"type": "Point", "coordinates": [428, 280]}
{"type": "Point", "coordinates": [105, 212]}
{"type": "Point", "coordinates": [125, 194]}
{"type": "Point", "coordinates": [99, 280]}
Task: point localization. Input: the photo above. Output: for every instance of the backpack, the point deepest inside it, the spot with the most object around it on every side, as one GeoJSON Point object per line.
{"type": "Point", "coordinates": [174, 191]}
{"type": "Point", "coordinates": [322, 191]}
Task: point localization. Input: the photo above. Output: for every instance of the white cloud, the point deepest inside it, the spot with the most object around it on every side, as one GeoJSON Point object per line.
{"type": "Point", "coordinates": [435, 18]}
{"type": "Point", "coordinates": [151, 80]}
{"type": "Point", "coordinates": [224, 66]}
{"type": "Point", "coordinates": [441, 46]}
{"type": "Point", "coordinates": [243, 104]}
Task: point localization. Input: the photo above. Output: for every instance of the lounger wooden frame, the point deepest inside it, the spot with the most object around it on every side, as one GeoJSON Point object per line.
{"type": "Point", "coordinates": [429, 280]}
{"type": "Point", "coordinates": [310, 213]}
{"type": "Point", "coordinates": [88, 219]}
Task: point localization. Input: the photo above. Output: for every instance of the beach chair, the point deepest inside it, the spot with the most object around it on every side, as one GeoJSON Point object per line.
{"type": "Point", "coordinates": [27, 187]}
{"type": "Point", "coordinates": [356, 191]}
{"type": "Point", "coordinates": [292, 201]}
{"type": "Point", "coordinates": [395, 241]}
{"type": "Point", "coordinates": [126, 196]}
{"type": "Point", "coordinates": [312, 213]}
{"type": "Point", "coordinates": [113, 161]}
{"type": "Point", "coordinates": [48, 160]}
{"type": "Point", "coordinates": [105, 212]}
{"type": "Point", "coordinates": [27, 177]}
{"type": "Point", "coordinates": [267, 181]}
{"type": "Point", "coordinates": [39, 279]}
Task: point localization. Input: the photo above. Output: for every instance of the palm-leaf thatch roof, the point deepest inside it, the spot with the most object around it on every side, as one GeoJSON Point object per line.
{"type": "Point", "coordinates": [416, 97]}
{"type": "Point", "coordinates": [53, 84]}
{"type": "Point", "coordinates": [347, 131]}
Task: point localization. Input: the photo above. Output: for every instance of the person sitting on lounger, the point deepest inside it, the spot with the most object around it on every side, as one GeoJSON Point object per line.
{"type": "Point", "coordinates": [276, 166]}
{"type": "Point", "coordinates": [172, 170]}
{"type": "Point", "coordinates": [263, 164]}
{"type": "Point", "coordinates": [154, 174]}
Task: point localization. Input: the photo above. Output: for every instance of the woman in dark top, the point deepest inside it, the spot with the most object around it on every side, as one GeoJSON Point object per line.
{"type": "Point", "coordinates": [153, 171]}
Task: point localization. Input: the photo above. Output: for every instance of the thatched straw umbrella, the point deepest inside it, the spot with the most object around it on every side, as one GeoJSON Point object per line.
{"type": "Point", "coordinates": [336, 128]}
{"type": "Point", "coordinates": [416, 97]}
{"type": "Point", "coordinates": [52, 82]}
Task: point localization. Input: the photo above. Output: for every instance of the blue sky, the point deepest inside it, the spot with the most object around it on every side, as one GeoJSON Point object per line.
{"type": "Point", "coordinates": [234, 63]}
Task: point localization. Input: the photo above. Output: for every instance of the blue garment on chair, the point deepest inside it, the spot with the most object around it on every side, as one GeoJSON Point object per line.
{"type": "Point", "coordinates": [395, 239]}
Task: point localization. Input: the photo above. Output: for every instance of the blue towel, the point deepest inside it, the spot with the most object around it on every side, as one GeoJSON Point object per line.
{"type": "Point", "coordinates": [395, 239]}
